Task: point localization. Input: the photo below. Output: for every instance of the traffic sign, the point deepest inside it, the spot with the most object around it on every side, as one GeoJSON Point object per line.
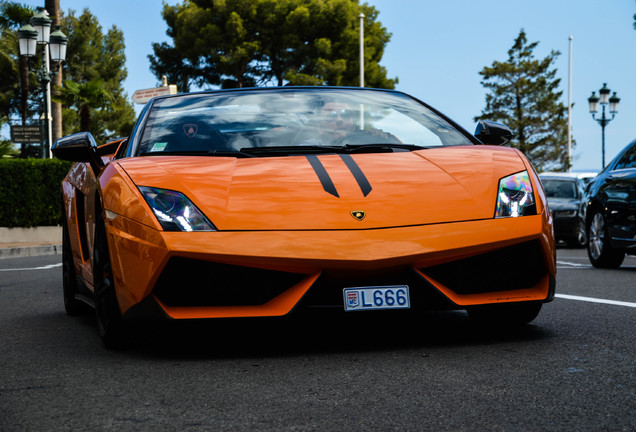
{"type": "Point", "coordinates": [28, 134]}
{"type": "Point", "coordinates": [143, 96]}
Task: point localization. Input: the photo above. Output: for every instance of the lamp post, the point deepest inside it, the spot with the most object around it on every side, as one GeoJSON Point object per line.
{"type": "Point", "coordinates": [604, 100]}
{"type": "Point", "coordinates": [38, 32]}
{"type": "Point", "coordinates": [361, 17]}
{"type": "Point", "coordinates": [570, 106]}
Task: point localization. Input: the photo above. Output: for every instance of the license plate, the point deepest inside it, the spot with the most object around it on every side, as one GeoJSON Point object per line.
{"type": "Point", "coordinates": [382, 297]}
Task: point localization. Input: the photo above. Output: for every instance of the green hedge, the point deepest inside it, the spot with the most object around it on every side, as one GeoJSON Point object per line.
{"type": "Point", "coordinates": [30, 192]}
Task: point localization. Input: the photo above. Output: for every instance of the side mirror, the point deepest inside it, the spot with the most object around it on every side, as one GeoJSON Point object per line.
{"type": "Point", "coordinates": [492, 133]}
{"type": "Point", "coordinates": [79, 147]}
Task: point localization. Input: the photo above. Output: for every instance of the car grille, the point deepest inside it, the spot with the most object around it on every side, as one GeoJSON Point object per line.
{"type": "Point", "coordinates": [188, 282]}
{"type": "Point", "coordinates": [564, 214]}
{"type": "Point", "coordinates": [327, 291]}
{"type": "Point", "coordinates": [516, 267]}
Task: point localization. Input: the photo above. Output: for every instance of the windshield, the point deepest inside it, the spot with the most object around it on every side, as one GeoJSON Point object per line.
{"type": "Point", "coordinates": [292, 120]}
{"type": "Point", "coordinates": [559, 188]}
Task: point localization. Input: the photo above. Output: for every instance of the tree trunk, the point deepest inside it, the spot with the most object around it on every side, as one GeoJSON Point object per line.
{"type": "Point", "coordinates": [85, 118]}
{"type": "Point", "coordinates": [53, 8]}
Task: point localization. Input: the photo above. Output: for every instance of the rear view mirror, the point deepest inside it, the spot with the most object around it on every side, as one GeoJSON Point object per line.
{"type": "Point", "coordinates": [492, 133]}
{"type": "Point", "coordinates": [79, 147]}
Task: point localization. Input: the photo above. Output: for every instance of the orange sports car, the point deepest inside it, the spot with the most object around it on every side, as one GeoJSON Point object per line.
{"type": "Point", "coordinates": [265, 202]}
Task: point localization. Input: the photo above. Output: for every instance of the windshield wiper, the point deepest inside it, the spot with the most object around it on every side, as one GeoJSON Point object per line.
{"type": "Point", "coordinates": [289, 150]}
{"type": "Point", "coordinates": [230, 153]}
{"type": "Point", "coordinates": [380, 147]}
{"type": "Point", "coordinates": [236, 154]}
{"type": "Point", "coordinates": [174, 153]}
{"type": "Point", "coordinates": [318, 149]}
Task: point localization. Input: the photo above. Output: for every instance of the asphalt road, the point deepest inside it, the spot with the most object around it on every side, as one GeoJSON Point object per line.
{"type": "Point", "coordinates": [572, 369]}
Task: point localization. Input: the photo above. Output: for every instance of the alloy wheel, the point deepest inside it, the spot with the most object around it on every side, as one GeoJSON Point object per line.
{"type": "Point", "coordinates": [597, 236]}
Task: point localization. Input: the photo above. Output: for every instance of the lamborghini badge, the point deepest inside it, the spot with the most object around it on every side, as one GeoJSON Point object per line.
{"type": "Point", "coordinates": [358, 214]}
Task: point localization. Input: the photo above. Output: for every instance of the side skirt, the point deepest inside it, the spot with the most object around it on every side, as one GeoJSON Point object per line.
{"type": "Point", "coordinates": [85, 294]}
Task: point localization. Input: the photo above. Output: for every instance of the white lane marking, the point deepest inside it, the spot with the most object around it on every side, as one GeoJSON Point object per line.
{"type": "Point", "coordinates": [595, 300]}
{"type": "Point", "coordinates": [46, 267]}
{"type": "Point", "coordinates": [571, 264]}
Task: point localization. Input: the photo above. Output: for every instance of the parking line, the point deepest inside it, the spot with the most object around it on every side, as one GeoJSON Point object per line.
{"type": "Point", "coordinates": [571, 264]}
{"type": "Point", "coordinates": [46, 267]}
{"type": "Point", "coordinates": [595, 300]}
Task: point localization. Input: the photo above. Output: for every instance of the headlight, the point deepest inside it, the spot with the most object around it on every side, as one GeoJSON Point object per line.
{"type": "Point", "coordinates": [564, 213]}
{"type": "Point", "coordinates": [174, 211]}
{"type": "Point", "coordinates": [515, 196]}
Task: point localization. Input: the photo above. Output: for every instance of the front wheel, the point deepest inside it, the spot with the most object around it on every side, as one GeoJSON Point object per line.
{"type": "Point", "coordinates": [601, 254]}
{"type": "Point", "coordinates": [112, 329]}
{"type": "Point", "coordinates": [580, 239]}
{"type": "Point", "coordinates": [505, 314]}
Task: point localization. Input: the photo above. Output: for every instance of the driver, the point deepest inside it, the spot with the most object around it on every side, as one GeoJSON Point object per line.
{"type": "Point", "coordinates": [336, 121]}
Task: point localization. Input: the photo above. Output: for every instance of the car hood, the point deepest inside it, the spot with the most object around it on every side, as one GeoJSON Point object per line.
{"type": "Point", "coordinates": [320, 192]}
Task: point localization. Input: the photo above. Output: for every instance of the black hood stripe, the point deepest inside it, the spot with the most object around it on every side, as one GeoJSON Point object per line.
{"type": "Point", "coordinates": [364, 184]}
{"type": "Point", "coordinates": [323, 175]}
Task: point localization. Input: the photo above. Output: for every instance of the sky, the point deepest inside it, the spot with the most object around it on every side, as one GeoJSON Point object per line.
{"type": "Point", "coordinates": [437, 49]}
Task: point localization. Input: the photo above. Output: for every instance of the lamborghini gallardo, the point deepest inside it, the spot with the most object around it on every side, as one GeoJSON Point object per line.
{"type": "Point", "coordinates": [267, 202]}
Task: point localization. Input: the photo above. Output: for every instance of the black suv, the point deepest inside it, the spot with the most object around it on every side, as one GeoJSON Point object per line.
{"type": "Point", "coordinates": [609, 211]}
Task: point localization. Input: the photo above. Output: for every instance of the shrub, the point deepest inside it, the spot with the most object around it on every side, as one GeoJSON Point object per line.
{"type": "Point", "coordinates": [30, 192]}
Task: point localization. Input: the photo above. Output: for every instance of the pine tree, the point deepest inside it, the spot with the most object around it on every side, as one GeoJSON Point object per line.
{"type": "Point", "coordinates": [53, 8]}
{"type": "Point", "coordinates": [240, 43]}
{"type": "Point", "coordinates": [523, 94]}
{"type": "Point", "coordinates": [93, 95]}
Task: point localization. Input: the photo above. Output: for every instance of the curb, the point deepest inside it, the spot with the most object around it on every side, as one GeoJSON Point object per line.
{"type": "Point", "coordinates": [29, 251]}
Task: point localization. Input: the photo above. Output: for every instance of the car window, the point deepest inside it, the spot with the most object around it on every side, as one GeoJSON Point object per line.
{"type": "Point", "coordinates": [559, 188]}
{"type": "Point", "coordinates": [628, 160]}
{"type": "Point", "coordinates": [235, 121]}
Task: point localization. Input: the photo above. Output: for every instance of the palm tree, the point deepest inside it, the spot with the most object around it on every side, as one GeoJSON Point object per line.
{"type": "Point", "coordinates": [84, 97]}
{"type": "Point", "coordinates": [53, 8]}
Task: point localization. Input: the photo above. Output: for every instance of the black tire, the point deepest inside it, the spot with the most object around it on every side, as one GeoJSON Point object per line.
{"type": "Point", "coordinates": [599, 250]}
{"type": "Point", "coordinates": [505, 314]}
{"type": "Point", "coordinates": [580, 240]}
{"type": "Point", "coordinates": [112, 329]}
{"type": "Point", "coordinates": [72, 306]}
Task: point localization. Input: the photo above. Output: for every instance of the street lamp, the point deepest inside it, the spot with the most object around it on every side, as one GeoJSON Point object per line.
{"type": "Point", "coordinates": [38, 32]}
{"type": "Point", "coordinates": [361, 17]}
{"type": "Point", "coordinates": [604, 100]}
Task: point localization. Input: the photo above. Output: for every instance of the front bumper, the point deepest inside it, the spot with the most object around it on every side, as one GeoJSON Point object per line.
{"type": "Point", "coordinates": [269, 273]}
{"type": "Point", "coordinates": [566, 225]}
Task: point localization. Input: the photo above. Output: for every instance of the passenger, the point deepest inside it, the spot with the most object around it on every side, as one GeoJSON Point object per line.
{"type": "Point", "coordinates": [334, 122]}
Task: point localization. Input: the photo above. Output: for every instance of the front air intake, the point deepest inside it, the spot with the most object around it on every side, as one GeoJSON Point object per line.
{"type": "Point", "coordinates": [512, 268]}
{"type": "Point", "coordinates": [187, 282]}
